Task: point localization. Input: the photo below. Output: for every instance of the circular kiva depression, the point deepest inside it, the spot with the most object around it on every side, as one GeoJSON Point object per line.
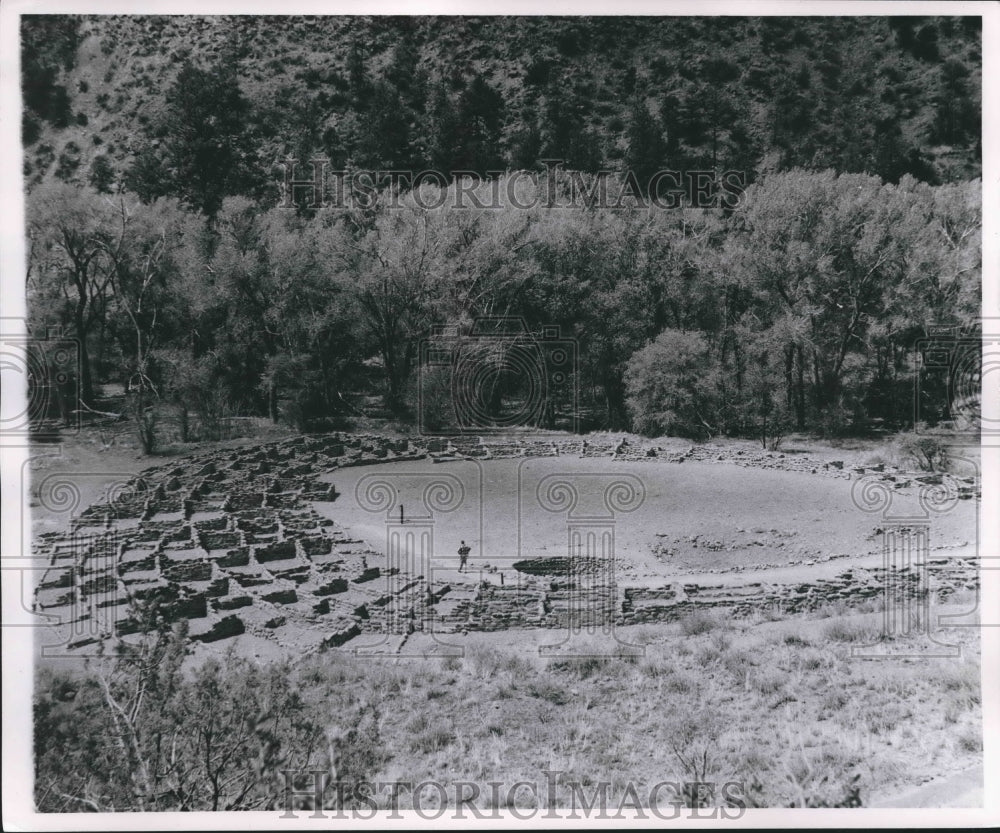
{"type": "Point", "coordinates": [695, 516]}
{"type": "Point", "coordinates": [241, 530]}
{"type": "Point", "coordinates": [560, 566]}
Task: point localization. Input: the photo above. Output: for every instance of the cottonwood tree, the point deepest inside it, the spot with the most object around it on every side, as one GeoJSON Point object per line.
{"type": "Point", "coordinates": [281, 320]}
{"type": "Point", "coordinates": [940, 288]}
{"type": "Point", "coordinates": [821, 251]}
{"type": "Point", "coordinates": [313, 315]}
{"type": "Point", "coordinates": [672, 385]}
{"type": "Point", "coordinates": [74, 240]}
{"type": "Point", "coordinates": [234, 315]}
{"type": "Point", "coordinates": [614, 280]}
{"type": "Point", "coordinates": [157, 242]}
{"type": "Point", "coordinates": [817, 286]}
{"type": "Point", "coordinates": [489, 275]}
{"type": "Point", "coordinates": [400, 275]}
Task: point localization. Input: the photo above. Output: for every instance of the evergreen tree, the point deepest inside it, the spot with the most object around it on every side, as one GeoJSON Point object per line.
{"type": "Point", "coordinates": [442, 130]}
{"type": "Point", "coordinates": [207, 148]}
{"type": "Point", "coordinates": [646, 148]}
{"type": "Point", "coordinates": [357, 76]}
{"type": "Point", "coordinates": [385, 136]}
{"type": "Point", "coordinates": [480, 110]}
{"type": "Point", "coordinates": [102, 175]}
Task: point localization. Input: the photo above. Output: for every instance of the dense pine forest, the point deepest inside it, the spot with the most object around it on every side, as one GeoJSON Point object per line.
{"type": "Point", "coordinates": [159, 241]}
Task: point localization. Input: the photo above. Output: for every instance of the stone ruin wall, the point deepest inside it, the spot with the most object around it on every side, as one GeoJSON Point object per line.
{"type": "Point", "coordinates": [229, 541]}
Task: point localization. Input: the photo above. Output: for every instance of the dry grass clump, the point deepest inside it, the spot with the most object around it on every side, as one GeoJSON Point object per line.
{"type": "Point", "coordinates": [766, 681]}
{"type": "Point", "coordinates": [699, 622]}
{"type": "Point", "coordinates": [546, 687]}
{"type": "Point", "coordinates": [429, 734]}
{"type": "Point", "coordinates": [866, 629]}
{"type": "Point", "coordinates": [488, 662]}
{"type": "Point", "coordinates": [970, 739]}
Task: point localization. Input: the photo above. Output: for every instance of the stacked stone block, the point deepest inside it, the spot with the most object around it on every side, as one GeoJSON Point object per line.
{"type": "Point", "coordinates": [230, 539]}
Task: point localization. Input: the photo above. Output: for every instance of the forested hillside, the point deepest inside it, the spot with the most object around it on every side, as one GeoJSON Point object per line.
{"type": "Point", "coordinates": [157, 241]}
{"type": "Point", "coordinates": [116, 97]}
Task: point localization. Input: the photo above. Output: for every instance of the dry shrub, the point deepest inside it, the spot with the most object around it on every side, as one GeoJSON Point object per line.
{"type": "Point", "coordinates": [766, 681]}
{"type": "Point", "coordinates": [699, 622]}
{"type": "Point", "coordinates": [865, 629]}
{"type": "Point", "coordinates": [545, 687]}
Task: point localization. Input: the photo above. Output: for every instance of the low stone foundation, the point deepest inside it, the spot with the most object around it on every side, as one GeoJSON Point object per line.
{"type": "Point", "coordinates": [234, 530]}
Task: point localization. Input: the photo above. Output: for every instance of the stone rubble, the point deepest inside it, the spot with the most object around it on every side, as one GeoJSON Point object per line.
{"type": "Point", "coordinates": [229, 540]}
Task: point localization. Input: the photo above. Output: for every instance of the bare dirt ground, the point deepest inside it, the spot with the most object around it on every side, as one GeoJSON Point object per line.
{"type": "Point", "coordinates": [964, 789]}
{"type": "Point", "coordinates": [697, 519]}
